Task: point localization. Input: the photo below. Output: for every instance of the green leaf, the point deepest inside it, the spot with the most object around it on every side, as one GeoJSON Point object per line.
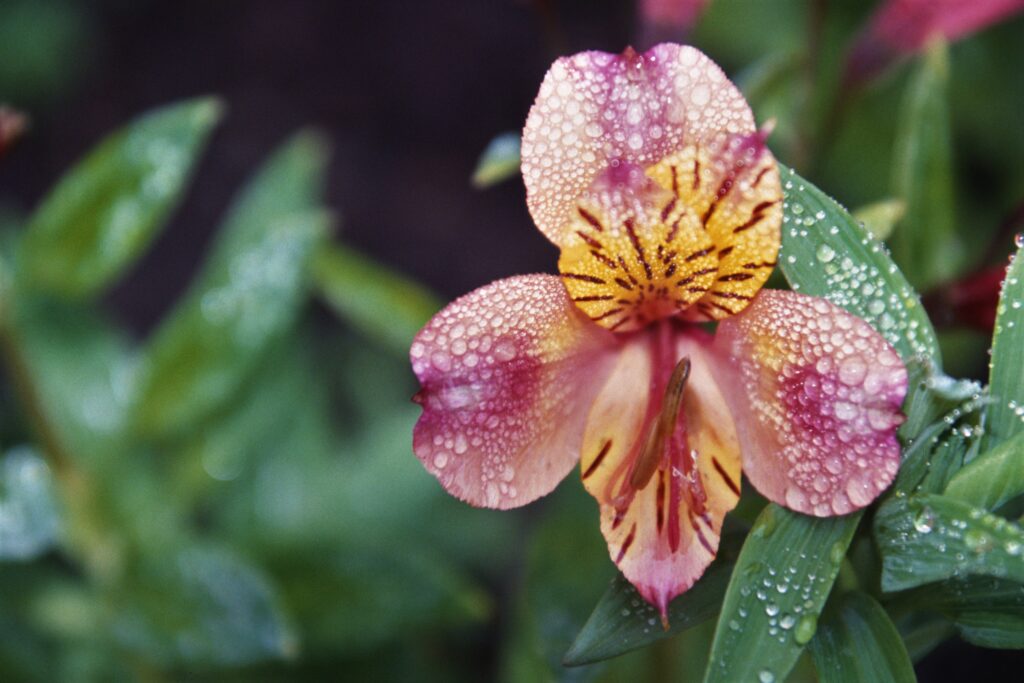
{"type": "Point", "coordinates": [105, 211]}
{"type": "Point", "coordinates": [499, 162]}
{"type": "Point", "coordinates": [925, 242]}
{"type": "Point", "coordinates": [782, 578]}
{"type": "Point", "coordinates": [858, 642]}
{"type": "Point", "coordinates": [248, 295]}
{"type": "Point", "coordinates": [929, 537]}
{"type": "Point", "coordinates": [986, 611]}
{"type": "Point", "coordinates": [1005, 417]}
{"type": "Point", "coordinates": [992, 478]}
{"type": "Point", "coordinates": [880, 218]}
{"type": "Point", "coordinates": [380, 303]}
{"type": "Point", "coordinates": [826, 253]}
{"type": "Point", "coordinates": [624, 621]}
{"type": "Point", "coordinates": [29, 518]}
{"type": "Point", "coordinates": [202, 605]}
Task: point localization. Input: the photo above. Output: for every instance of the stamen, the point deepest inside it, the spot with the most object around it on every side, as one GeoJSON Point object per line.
{"type": "Point", "coordinates": [654, 447]}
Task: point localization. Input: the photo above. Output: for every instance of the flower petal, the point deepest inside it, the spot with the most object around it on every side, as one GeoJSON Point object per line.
{"type": "Point", "coordinates": [508, 374]}
{"type": "Point", "coordinates": [596, 109]}
{"type": "Point", "coordinates": [731, 183]}
{"type": "Point", "coordinates": [816, 395]}
{"type": "Point", "coordinates": [663, 532]}
{"type": "Point", "coordinates": [637, 254]}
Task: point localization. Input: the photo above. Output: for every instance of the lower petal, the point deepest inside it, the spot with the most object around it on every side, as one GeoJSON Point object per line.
{"type": "Point", "coordinates": [662, 533]}
{"type": "Point", "coordinates": [816, 394]}
{"type": "Point", "coordinates": [508, 373]}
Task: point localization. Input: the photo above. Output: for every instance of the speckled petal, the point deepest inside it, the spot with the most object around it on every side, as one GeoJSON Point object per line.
{"type": "Point", "coordinates": [508, 373]}
{"type": "Point", "coordinates": [663, 528]}
{"type": "Point", "coordinates": [816, 395]}
{"type": "Point", "coordinates": [596, 109]}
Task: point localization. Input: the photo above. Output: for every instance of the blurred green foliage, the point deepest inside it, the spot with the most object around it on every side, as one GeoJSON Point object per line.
{"type": "Point", "coordinates": [234, 497]}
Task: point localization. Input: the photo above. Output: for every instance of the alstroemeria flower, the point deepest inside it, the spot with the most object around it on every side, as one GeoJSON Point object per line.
{"type": "Point", "coordinates": [649, 175]}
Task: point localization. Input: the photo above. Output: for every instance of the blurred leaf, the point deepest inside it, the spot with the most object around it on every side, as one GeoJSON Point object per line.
{"type": "Point", "coordinates": [499, 162]}
{"type": "Point", "coordinates": [826, 253]}
{"type": "Point", "coordinates": [857, 642]}
{"type": "Point", "coordinates": [248, 295]}
{"type": "Point", "coordinates": [922, 632]}
{"type": "Point", "coordinates": [929, 537]}
{"type": "Point", "coordinates": [992, 478]}
{"type": "Point", "coordinates": [82, 369]}
{"type": "Point", "coordinates": [387, 307]}
{"type": "Point", "coordinates": [624, 621]}
{"type": "Point", "coordinates": [565, 567]}
{"type": "Point", "coordinates": [925, 242]}
{"type": "Point", "coordinates": [107, 209]}
{"type": "Point", "coordinates": [29, 519]}
{"type": "Point", "coordinates": [881, 217]}
{"type": "Point", "coordinates": [43, 47]}
{"type": "Point", "coordinates": [360, 597]}
{"type": "Point", "coordinates": [986, 611]}
{"type": "Point", "coordinates": [1005, 417]}
{"type": "Point", "coordinates": [201, 606]}
{"type": "Point", "coordinates": [783, 575]}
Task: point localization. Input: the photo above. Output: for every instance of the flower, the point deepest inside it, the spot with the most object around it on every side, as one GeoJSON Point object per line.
{"type": "Point", "coordinates": [901, 27]}
{"type": "Point", "coordinates": [649, 175]}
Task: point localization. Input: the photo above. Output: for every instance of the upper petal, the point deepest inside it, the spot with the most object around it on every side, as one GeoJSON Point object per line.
{"type": "Point", "coordinates": [508, 373]}
{"type": "Point", "coordinates": [816, 395]}
{"type": "Point", "coordinates": [596, 109]}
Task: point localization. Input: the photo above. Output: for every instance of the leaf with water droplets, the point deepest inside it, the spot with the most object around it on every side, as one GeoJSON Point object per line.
{"type": "Point", "coordinates": [992, 478]}
{"type": "Point", "coordinates": [783, 576]}
{"type": "Point", "coordinates": [930, 537]}
{"type": "Point", "coordinates": [29, 519]}
{"type": "Point", "coordinates": [499, 162]}
{"type": "Point", "coordinates": [1005, 417]}
{"type": "Point", "coordinates": [858, 642]}
{"type": "Point", "coordinates": [826, 253]}
{"type": "Point", "coordinates": [107, 209]}
{"type": "Point", "coordinates": [384, 305]}
{"type": "Point", "coordinates": [248, 295]}
{"type": "Point", "coordinates": [925, 241]}
{"type": "Point", "coordinates": [623, 621]}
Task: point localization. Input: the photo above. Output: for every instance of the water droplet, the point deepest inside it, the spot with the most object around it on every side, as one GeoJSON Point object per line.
{"type": "Point", "coordinates": [924, 521]}
{"type": "Point", "coordinates": [805, 629]}
{"type": "Point", "coordinates": [825, 253]}
{"type": "Point", "coordinates": [766, 676]}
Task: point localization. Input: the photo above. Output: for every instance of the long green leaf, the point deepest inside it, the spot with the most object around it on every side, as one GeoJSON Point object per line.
{"type": "Point", "coordinates": [1005, 417]}
{"type": "Point", "coordinates": [992, 478]}
{"type": "Point", "coordinates": [825, 252]}
{"type": "Point", "coordinates": [782, 578]}
{"type": "Point", "coordinates": [386, 306]}
{"type": "Point", "coordinates": [248, 295]}
{"type": "Point", "coordinates": [929, 537]}
{"type": "Point", "coordinates": [858, 642]}
{"type": "Point", "coordinates": [624, 621]}
{"type": "Point", "coordinates": [109, 207]}
{"type": "Point", "coordinates": [925, 241]}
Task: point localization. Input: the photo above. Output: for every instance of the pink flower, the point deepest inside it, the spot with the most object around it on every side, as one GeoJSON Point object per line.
{"type": "Point", "coordinates": [902, 27]}
{"type": "Point", "coordinates": [649, 175]}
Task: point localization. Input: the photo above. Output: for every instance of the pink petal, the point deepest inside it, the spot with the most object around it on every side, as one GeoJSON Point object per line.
{"type": "Point", "coordinates": [904, 26]}
{"type": "Point", "coordinates": [508, 372]}
{"type": "Point", "coordinates": [663, 533]}
{"type": "Point", "coordinates": [816, 393]}
{"type": "Point", "coordinates": [595, 110]}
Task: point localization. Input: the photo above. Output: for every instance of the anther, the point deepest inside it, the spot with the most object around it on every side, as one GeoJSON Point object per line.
{"type": "Point", "coordinates": [661, 430]}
